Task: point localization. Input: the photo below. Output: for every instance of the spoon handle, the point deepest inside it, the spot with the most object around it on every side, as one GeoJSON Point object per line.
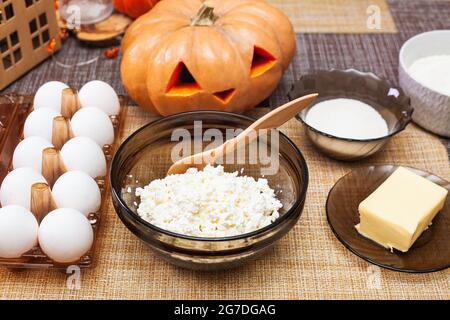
{"type": "Point", "coordinates": [273, 119]}
{"type": "Point", "coordinates": [284, 113]}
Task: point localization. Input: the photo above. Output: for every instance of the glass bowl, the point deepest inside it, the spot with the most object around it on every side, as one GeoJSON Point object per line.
{"type": "Point", "coordinates": [87, 11]}
{"type": "Point", "coordinates": [147, 154]}
{"type": "Point", "coordinates": [392, 104]}
{"type": "Point", "coordinates": [430, 252]}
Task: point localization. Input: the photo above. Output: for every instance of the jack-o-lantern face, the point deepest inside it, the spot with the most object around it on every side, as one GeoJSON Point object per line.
{"type": "Point", "coordinates": [225, 55]}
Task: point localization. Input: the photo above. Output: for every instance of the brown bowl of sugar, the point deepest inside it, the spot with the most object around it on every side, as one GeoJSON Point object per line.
{"type": "Point", "coordinates": [355, 114]}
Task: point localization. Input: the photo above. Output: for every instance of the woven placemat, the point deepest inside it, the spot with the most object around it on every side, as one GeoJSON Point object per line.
{"type": "Point", "coordinates": [309, 263]}
{"type": "Point", "coordinates": [338, 16]}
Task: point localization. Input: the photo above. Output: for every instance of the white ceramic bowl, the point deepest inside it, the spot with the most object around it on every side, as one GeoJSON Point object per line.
{"type": "Point", "coordinates": [431, 108]}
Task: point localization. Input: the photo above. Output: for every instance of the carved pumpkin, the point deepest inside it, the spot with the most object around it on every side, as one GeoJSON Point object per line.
{"type": "Point", "coordinates": [215, 55]}
{"type": "Point", "coordinates": [134, 8]}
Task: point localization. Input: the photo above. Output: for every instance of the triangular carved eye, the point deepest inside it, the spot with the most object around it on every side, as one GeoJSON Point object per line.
{"type": "Point", "coordinates": [225, 96]}
{"type": "Point", "coordinates": [182, 82]}
{"type": "Point", "coordinates": [261, 62]}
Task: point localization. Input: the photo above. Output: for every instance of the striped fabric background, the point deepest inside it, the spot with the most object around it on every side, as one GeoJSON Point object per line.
{"type": "Point", "coordinates": [309, 263]}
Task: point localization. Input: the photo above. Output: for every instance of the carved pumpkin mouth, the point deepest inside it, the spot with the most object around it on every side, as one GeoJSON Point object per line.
{"type": "Point", "coordinates": [182, 82]}
{"type": "Point", "coordinates": [226, 95]}
{"type": "Point", "coordinates": [262, 61]}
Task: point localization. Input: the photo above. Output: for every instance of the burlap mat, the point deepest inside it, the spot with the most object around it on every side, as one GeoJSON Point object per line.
{"type": "Point", "coordinates": [337, 16]}
{"type": "Point", "coordinates": [309, 263]}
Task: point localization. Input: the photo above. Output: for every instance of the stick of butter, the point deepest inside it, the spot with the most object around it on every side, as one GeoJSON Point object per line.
{"type": "Point", "coordinates": [402, 207]}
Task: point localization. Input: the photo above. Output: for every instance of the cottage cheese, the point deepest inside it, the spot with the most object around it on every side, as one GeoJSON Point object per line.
{"type": "Point", "coordinates": [208, 203]}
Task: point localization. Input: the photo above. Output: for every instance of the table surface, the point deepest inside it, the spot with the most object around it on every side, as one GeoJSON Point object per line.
{"type": "Point", "coordinates": [308, 263]}
{"type": "Point", "coordinates": [328, 46]}
{"type": "Point", "coordinates": [325, 46]}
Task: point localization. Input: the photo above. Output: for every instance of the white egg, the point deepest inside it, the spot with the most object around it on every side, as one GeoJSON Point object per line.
{"type": "Point", "coordinates": [93, 123]}
{"type": "Point", "coordinates": [28, 153]}
{"type": "Point", "coordinates": [99, 94]}
{"type": "Point", "coordinates": [77, 190]}
{"type": "Point", "coordinates": [40, 123]}
{"type": "Point", "coordinates": [84, 154]}
{"type": "Point", "coordinates": [49, 95]}
{"type": "Point", "coordinates": [16, 187]}
{"type": "Point", "coordinates": [65, 235]}
{"type": "Point", "coordinates": [18, 231]}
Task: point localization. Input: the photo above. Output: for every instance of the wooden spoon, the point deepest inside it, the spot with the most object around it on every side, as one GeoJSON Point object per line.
{"type": "Point", "coordinates": [272, 120]}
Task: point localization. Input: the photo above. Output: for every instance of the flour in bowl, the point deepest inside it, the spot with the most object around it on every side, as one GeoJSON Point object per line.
{"type": "Point", "coordinates": [433, 72]}
{"type": "Point", "coordinates": [209, 203]}
{"type": "Point", "coordinates": [347, 118]}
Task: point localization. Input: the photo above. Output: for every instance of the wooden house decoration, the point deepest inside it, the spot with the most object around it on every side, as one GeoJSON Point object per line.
{"type": "Point", "coordinates": [26, 28]}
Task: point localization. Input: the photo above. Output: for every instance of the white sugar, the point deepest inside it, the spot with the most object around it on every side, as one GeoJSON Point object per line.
{"type": "Point", "coordinates": [433, 72]}
{"type": "Point", "coordinates": [347, 118]}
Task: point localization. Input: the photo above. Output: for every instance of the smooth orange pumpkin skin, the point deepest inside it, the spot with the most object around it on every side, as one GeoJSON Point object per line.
{"type": "Point", "coordinates": [219, 57]}
{"type": "Point", "coordinates": [134, 8]}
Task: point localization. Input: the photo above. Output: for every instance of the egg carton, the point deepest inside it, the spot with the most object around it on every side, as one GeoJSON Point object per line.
{"type": "Point", "coordinates": [14, 110]}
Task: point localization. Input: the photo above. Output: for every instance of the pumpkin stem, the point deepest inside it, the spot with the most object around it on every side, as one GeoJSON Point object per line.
{"type": "Point", "coordinates": [205, 16]}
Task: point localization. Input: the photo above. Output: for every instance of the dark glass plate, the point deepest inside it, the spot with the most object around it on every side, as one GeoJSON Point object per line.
{"type": "Point", "coordinates": [431, 252]}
